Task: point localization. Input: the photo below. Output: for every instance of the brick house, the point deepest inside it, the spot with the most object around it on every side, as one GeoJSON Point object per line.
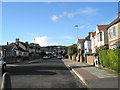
{"type": "Point", "coordinates": [80, 45]}
{"type": "Point", "coordinates": [101, 38]}
{"type": "Point", "coordinates": [114, 33]}
{"type": "Point", "coordinates": [88, 55]}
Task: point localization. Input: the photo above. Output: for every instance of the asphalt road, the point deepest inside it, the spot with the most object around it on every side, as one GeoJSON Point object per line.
{"type": "Point", "coordinates": [50, 73]}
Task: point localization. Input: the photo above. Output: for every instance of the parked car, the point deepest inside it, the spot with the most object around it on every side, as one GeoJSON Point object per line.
{"type": "Point", "coordinates": [59, 57]}
{"type": "Point", "coordinates": [45, 57]}
{"type": "Point", "coordinates": [2, 65]}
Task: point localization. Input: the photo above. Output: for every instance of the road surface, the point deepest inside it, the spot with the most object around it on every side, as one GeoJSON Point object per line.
{"type": "Point", "coordinates": [51, 73]}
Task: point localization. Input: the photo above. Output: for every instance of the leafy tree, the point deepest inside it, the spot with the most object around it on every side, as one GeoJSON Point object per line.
{"type": "Point", "coordinates": [100, 49]}
{"type": "Point", "coordinates": [72, 50]}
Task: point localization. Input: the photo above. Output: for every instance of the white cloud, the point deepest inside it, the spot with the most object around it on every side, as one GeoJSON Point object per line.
{"type": "Point", "coordinates": [45, 41]}
{"type": "Point", "coordinates": [69, 15]}
{"type": "Point", "coordinates": [42, 41]}
{"type": "Point", "coordinates": [54, 18]}
{"type": "Point", "coordinates": [66, 14]}
{"type": "Point", "coordinates": [88, 10]}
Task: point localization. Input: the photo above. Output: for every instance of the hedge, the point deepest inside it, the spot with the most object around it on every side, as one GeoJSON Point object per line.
{"type": "Point", "coordinates": [110, 59]}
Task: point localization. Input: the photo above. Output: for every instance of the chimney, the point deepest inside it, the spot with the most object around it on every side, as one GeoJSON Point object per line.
{"type": "Point", "coordinates": [17, 41]}
{"type": "Point", "coordinates": [7, 43]}
{"type": "Point", "coordinates": [26, 42]}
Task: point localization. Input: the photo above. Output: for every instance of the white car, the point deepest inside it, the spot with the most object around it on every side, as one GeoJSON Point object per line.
{"type": "Point", "coordinates": [2, 66]}
{"type": "Point", "coordinates": [45, 57]}
{"type": "Point", "coordinates": [59, 57]}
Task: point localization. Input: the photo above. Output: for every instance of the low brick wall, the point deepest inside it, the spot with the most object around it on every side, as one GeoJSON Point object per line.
{"type": "Point", "coordinates": [90, 60]}
{"type": "Point", "coordinates": [74, 58]}
{"type": "Point", "coordinates": [69, 57]}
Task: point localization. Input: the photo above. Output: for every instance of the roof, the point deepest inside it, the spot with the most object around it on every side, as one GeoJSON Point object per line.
{"type": "Point", "coordinates": [80, 40]}
{"type": "Point", "coordinates": [8, 47]}
{"type": "Point", "coordinates": [114, 22]}
{"type": "Point", "coordinates": [19, 48]}
{"type": "Point", "coordinates": [101, 27]}
{"type": "Point", "coordinates": [93, 33]}
{"type": "Point", "coordinates": [88, 37]}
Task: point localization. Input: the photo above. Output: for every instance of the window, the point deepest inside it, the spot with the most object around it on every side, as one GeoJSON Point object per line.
{"type": "Point", "coordinates": [112, 32]}
{"type": "Point", "coordinates": [100, 36]}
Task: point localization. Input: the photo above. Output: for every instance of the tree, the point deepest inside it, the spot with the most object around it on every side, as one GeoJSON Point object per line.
{"type": "Point", "coordinates": [72, 50]}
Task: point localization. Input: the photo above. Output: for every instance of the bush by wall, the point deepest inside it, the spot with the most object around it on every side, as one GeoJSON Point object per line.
{"type": "Point", "coordinates": [110, 59]}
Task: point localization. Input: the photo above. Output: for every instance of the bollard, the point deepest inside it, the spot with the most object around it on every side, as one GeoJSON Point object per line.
{"type": "Point", "coordinates": [6, 81]}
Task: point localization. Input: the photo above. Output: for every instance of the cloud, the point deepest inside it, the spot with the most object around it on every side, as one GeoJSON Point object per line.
{"type": "Point", "coordinates": [54, 18]}
{"type": "Point", "coordinates": [42, 41]}
{"type": "Point", "coordinates": [88, 10]}
{"type": "Point", "coordinates": [45, 41]}
{"type": "Point", "coordinates": [66, 14]}
{"type": "Point", "coordinates": [80, 11]}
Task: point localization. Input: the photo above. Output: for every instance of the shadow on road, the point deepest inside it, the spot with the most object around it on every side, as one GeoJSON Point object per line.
{"type": "Point", "coordinates": [41, 69]}
{"type": "Point", "coordinates": [82, 66]}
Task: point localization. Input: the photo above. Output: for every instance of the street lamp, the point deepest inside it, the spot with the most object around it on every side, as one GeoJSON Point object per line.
{"type": "Point", "coordinates": [76, 26]}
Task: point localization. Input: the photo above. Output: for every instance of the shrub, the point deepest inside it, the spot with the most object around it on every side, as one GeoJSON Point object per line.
{"type": "Point", "coordinates": [75, 54]}
{"type": "Point", "coordinates": [110, 59]}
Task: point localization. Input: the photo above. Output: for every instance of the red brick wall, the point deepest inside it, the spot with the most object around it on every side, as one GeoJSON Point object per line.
{"type": "Point", "coordinates": [90, 60]}
{"type": "Point", "coordinates": [69, 57]}
{"type": "Point", "coordinates": [74, 58]}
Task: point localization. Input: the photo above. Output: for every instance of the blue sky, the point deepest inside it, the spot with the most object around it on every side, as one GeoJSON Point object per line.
{"type": "Point", "coordinates": [51, 23]}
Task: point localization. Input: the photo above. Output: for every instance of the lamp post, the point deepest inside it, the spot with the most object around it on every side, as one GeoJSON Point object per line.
{"type": "Point", "coordinates": [76, 26]}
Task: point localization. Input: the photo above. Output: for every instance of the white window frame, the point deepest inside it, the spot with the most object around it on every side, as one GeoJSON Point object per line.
{"type": "Point", "coordinates": [112, 32]}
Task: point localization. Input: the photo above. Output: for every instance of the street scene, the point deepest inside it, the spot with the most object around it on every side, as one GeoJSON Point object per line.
{"type": "Point", "coordinates": [66, 45]}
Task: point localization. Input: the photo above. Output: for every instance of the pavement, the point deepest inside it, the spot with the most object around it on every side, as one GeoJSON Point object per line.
{"type": "Point", "coordinates": [93, 77]}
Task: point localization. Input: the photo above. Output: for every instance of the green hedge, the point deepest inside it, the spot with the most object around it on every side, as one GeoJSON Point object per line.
{"type": "Point", "coordinates": [110, 59]}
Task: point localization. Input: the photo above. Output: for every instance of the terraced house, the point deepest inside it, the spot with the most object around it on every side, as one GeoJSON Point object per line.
{"type": "Point", "coordinates": [114, 33]}
{"type": "Point", "coordinates": [104, 35]}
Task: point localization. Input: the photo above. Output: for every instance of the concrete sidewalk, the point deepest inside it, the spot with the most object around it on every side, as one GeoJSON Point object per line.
{"type": "Point", "coordinates": [91, 76]}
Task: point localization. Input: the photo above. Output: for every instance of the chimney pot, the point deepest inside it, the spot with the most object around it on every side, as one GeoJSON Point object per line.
{"type": "Point", "coordinates": [7, 43]}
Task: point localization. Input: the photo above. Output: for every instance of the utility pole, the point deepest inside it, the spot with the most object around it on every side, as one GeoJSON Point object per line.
{"type": "Point", "coordinates": [76, 26]}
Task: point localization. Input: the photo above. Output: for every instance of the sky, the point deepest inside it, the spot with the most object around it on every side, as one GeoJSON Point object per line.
{"type": "Point", "coordinates": [52, 23]}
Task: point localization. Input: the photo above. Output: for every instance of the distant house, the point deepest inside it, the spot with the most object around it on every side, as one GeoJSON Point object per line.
{"type": "Point", "coordinates": [101, 38]}
{"type": "Point", "coordinates": [22, 48]}
{"type": "Point", "coordinates": [80, 45]}
{"type": "Point", "coordinates": [34, 50]}
{"type": "Point", "coordinates": [93, 43]}
{"type": "Point", "coordinates": [88, 55]}
{"type": "Point", "coordinates": [114, 33]}
{"type": "Point", "coordinates": [87, 44]}
{"type": "Point", "coordinates": [8, 51]}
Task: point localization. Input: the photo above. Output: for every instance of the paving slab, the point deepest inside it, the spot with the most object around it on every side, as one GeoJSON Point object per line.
{"type": "Point", "coordinates": [92, 76]}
